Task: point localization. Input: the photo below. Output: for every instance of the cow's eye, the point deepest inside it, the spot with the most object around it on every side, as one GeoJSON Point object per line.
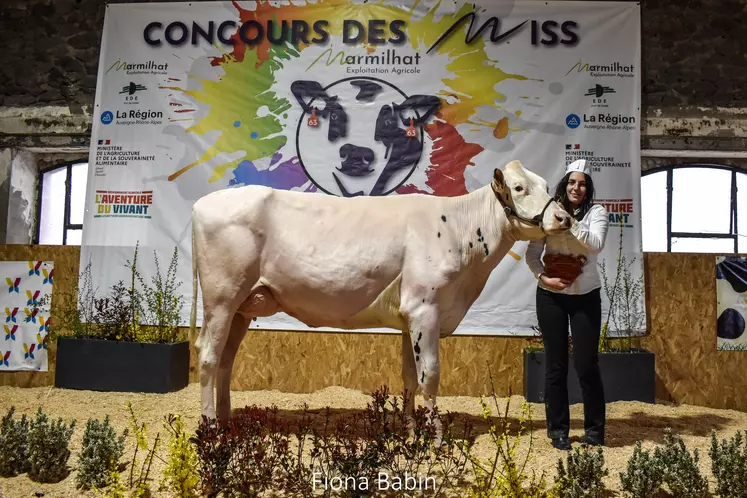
{"type": "Point", "coordinates": [519, 188]}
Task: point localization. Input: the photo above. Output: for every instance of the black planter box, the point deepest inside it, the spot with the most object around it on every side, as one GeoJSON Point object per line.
{"type": "Point", "coordinates": [629, 376]}
{"type": "Point", "coordinates": [99, 365]}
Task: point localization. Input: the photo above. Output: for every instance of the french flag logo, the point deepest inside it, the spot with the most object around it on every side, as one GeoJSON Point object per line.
{"type": "Point", "coordinates": [104, 142]}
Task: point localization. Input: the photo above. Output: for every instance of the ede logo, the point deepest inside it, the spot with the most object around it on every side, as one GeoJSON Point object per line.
{"type": "Point", "coordinates": [107, 117]}
{"type": "Point", "coordinates": [572, 121]}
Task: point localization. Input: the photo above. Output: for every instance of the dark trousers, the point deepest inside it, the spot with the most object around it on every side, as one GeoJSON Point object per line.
{"type": "Point", "coordinates": [584, 312]}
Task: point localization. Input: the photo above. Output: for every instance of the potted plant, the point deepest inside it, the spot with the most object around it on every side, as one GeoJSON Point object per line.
{"type": "Point", "coordinates": [127, 340]}
{"type": "Point", "coordinates": [628, 370]}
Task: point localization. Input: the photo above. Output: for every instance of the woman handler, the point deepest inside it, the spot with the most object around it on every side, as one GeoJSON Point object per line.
{"type": "Point", "coordinates": [568, 291]}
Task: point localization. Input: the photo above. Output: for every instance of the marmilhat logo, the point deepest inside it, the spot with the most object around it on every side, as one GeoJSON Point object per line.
{"type": "Point", "coordinates": [107, 117]}
{"type": "Point", "coordinates": [572, 121]}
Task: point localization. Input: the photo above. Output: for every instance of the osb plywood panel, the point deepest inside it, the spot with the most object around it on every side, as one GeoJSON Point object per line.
{"type": "Point", "coordinates": [65, 280]}
{"type": "Point", "coordinates": [307, 361]}
{"type": "Point", "coordinates": [681, 303]}
{"type": "Point", "coordinates": [682, 308]}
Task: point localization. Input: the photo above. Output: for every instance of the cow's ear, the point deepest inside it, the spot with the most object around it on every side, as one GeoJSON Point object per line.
{"type": "Point", "coordinates": [498, 184]}
{"type": "Point", "coordinates": [306, 91]}
{"type": "Point", "coordinates": [424, 105]}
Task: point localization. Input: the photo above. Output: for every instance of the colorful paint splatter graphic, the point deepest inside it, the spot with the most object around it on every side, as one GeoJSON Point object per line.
{"type": "Point", "coordinates": [253, 118]}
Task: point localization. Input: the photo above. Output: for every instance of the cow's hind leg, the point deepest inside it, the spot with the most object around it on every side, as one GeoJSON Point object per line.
{"type": "Point", "coordinates": [239, 327]}
{"type": "Point", "coordinates": [213, 337]}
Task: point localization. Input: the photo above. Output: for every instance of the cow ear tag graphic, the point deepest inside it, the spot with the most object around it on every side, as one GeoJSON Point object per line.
{"type": "Point", "coordinates": [410, 132]}
{"type": "Point", "coordinates": [313, 120]}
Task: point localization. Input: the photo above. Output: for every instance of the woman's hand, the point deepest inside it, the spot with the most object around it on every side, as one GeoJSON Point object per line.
{"type": "Point", "coordinates": [555, 283]}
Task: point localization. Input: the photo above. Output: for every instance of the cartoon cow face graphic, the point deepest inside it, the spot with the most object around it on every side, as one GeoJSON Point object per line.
{"type": "Point", "coordinates": [360, 136]}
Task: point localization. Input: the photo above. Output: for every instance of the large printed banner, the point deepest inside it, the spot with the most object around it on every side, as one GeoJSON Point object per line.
{"type": "Point", "coordinates": [353, 98]}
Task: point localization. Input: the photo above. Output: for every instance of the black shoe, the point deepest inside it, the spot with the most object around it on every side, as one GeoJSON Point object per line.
{"type": "Point", "coordinates": [561, 443]}
{"type": "Point", "coordinates": [594, 440]}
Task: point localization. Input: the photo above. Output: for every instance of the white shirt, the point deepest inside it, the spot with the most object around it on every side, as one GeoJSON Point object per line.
{"type": "Point", "coordinates": [586, 237]}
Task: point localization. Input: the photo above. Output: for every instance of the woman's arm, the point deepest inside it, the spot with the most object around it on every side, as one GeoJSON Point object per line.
{"type": "Point", "coordinates": [534, 256]}
{"type": "Point", "coordinates": [592, 233]}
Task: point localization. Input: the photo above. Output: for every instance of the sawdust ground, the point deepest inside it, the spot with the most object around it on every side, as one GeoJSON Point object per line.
{"type": "Point", "coordinates": [628, 422]}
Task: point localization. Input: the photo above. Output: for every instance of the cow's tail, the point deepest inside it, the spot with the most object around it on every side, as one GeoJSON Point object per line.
{"type": "Point", "coordinates": [193, 315]}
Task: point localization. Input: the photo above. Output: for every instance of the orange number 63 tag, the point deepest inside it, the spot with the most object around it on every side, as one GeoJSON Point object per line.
{"type": "Point", "coordinates": [411, 131]}
{"type": "Point", "coordinates": [313, 120]}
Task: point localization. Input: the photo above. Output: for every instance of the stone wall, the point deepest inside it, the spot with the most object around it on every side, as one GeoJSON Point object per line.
{"type": "Point", "coordinates": [693, 52]}
{"type": "Point", "coordinates": [694, 84]}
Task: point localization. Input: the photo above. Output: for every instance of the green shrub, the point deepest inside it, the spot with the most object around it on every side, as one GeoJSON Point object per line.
{"type": "Point", "coordinates": [48, 448]}
{"type": "Point", "coordinates": [100, 454]}
{"type": "Point", "coordinates": [180, 474]}
{"type": "Point", "coordinates": [14, 444]}
{"type": "Point", "coordinates": [644, 476]}
{"type": "Point", "coordinates": [729, 465]}
{"type": "Point", "coordinates": [583, 478]}
{"type": "Point", "coordinates": [504, 474]}
{"type": "Point", "coordinates": [681, 472]}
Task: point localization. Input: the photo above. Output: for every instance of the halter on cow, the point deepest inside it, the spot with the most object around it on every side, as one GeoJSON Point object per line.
{"type": "Point", "coordinates": [414, 263]}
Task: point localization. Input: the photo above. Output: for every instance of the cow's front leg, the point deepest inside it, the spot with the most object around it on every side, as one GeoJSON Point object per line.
{"type": "Point", "coordinates": [409, 379]}
{"type": "Point", "coordinates": [424, 333]}
{"type": "Point", "coordinates": [239, 327]}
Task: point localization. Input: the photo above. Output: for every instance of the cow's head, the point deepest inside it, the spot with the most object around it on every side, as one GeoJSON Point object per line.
{"type": "Point", "coordinates": [525, 199]}
{"type": "Point", "coordinates": [376, 133]}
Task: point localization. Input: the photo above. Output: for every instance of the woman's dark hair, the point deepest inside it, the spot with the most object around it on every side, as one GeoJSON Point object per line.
{"type": "Point", "coordinates": [561, 195]}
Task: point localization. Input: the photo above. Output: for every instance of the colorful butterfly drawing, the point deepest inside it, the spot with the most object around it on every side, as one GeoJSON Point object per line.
{"type": "Point", "coordinates": [10, 333]}
{"type": "Point", "coordinates": [48, 276]}
{"type": "Point", "coordinates": [30, 315]}
{"type": "Point", "coordinates": [29, 351]}
{"type": "Point", "coordinates": [32, 298]}
{"type": "Point", "coordinates": [4, 360]}
{"type": "Point", "coordinates": [34, 267]}
{"type": "Point", "coordinates": [44, 326]}
{"type": "Point", "coordinates": [42, 342]}
{"type": "Point", "coordinates": [10, 315]}
{"type": "Point", "coordinates": [13, 285]}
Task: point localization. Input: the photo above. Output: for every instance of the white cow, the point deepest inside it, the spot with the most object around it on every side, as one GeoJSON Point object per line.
{"type": "Point", "coordinates": [413, 262]}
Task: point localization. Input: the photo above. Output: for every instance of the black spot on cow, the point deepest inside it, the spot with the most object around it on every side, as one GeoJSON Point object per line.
{"type": "Point", "coordinates": [420, 336]}
{"type": "Point", "coordinates": [486, 249]}
{"type": "Point", "coordinates": [422, 377]}
{"type": "Point", "coordinates": [730, 324]}
{"type": "Point", "coordinates": [733, 270]}
{"type": "Point", "coordinates": [443, 218]}
{"type": "Point", "coordinates": [439, 235]}
{"type": "Point", "coordinates": [470, 244]}
{"type": "Point", "coordinates": [417, 348]}
{"type": "Point", "coordinates": [417, 358]}
{"type": "Point", "coordinates": [479, 233]}
{"type": "Point", "coordinates": [368, 90]}
{"type": "Point", "coordinates": [423, 299]}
